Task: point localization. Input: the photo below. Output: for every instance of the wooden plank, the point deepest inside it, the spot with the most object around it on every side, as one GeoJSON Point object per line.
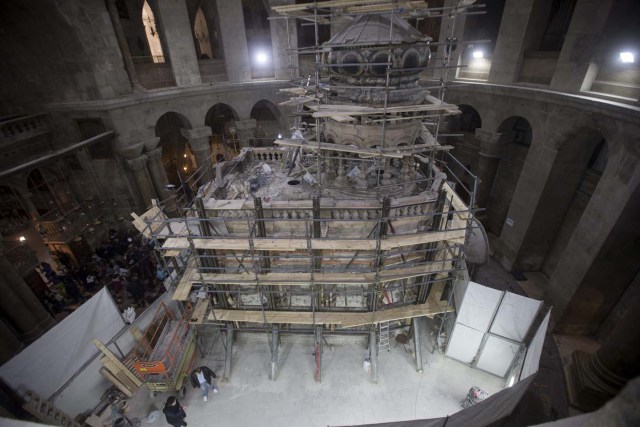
{"type": "Point", "coordinates": [116, 361]}
{"type": "Point", "coordinates": [312, 145]}
{"type": "Point", "coordinates": [199, 313]}
{"type": "Point", "coordinates": [175, 243]}
{"type": "Point", "coordinates": [184, 286]}
{"type": "Point", "coordinates": [421, 238]}
{"type": "Point", "coordinates": [326, 110]}
{"type": "Point", "coordinates": [342, 319]}
{"type": "Point", "coordinates": [113, 380]}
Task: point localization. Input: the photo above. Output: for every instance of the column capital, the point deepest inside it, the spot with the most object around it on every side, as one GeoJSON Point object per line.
{"type": "Point", "coordinates": [490, 143]}
{"type": "Point", "coordinates": [199, 133]}
{"type": "Point", "coordinates": [138, 163]}
{"type": "Point", "coordinates": [151, 143]}
{"type": "Point", "coordinates": [248, 124]}
{"type": "Point", "coordinates": [155, 154]}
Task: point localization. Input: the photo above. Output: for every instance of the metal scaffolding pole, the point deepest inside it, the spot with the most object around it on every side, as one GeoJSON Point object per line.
{"type": "Point", "coordinates": [274, 352]}
{"type": "Point", "coordinates": [416, 343]}
{"type": "Point", "coordinates": [373, 354]}
{"type": "Point", "coordinates": [229, 354]}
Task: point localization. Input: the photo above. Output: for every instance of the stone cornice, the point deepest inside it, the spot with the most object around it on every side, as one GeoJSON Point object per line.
{"type": "Point", "coordinates": [155, 154]}
{"type": "Point", "coordinates": [202, 133]}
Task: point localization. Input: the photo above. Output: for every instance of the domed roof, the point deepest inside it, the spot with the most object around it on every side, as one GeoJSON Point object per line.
{"type": "Point", "coordinates": [374, 30]}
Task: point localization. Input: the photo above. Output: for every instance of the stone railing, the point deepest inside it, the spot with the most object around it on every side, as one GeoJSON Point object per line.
{"type": "Point", "coordinates": [24, 127]}
{"type": "Point", "coordinates": [269, 154]}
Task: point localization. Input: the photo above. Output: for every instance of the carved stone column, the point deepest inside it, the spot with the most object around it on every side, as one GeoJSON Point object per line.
{"type": "Point", "coordinates": [146, 192]}
{"type": "Point", "coordinates": [157, 171]}
{"type": "Point", "coordinates": [198, 140]}
{"type": "Point", "coordinates": [246, 130]}
{"type": "Point", "coordinates": [488, 160]}
{"type": "Point", "coordinates": [20, 304]}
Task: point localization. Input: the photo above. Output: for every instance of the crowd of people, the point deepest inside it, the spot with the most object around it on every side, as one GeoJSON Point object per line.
{"type": "Point", "coordinates": [125, 263]}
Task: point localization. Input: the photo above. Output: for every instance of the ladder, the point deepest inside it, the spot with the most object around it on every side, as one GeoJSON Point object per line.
{"type": "Point", "coordinates": [46, 411]}
{"type": "Point", "coordinates": [383, 342]}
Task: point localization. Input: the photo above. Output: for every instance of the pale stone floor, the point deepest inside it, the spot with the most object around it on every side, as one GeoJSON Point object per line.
{"type": "Point", "coordinates": [346, 395]}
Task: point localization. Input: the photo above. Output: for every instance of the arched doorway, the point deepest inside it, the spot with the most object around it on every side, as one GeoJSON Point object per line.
{"type": "Point", "coordinates": [224, 141]}
{"type": "Point", "coordinates": [177, 157]}
{"type": "Point", "coordinates": [515, 140]}
{"type": "Point", "coordinates": [153, 36]}
{"type": "Point", "coordinates": [267, 118]}
{"type": "Point", "coordinates": [579, 164]}
{"type": "Point", "coordinates": [201, 34]}
{"type": "Point", "coordinates": [466, 148]}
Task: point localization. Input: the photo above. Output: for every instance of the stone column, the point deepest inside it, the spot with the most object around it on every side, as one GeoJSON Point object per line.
{"type": "Point", "coordinates": [20, 303]}
{"type": "Point", "coordinates": [178, 34]}
{"type": "Point", "coordinates": [26, 198]}
{"type": "Point", "coordinates": [234, 40]}
{"type": "Point", "coordinates": [284, 33]}
{"type": "Point", "coordinates": [488, 160]}
{"type": "Point", "coordinates": [141, 175]}
{"type": "Point", "coordinates": [246, 130]}
{"type": "Point", "coordinates": [583, 36]}
{"type": "Point", "coordinates": [157, 171]}
{"type": "Point", "coordinates": [199, 141]}
{"type": "Point", "coordinates": [594, 379]}
{"type": "Point", "coordinates": [511, 41]}
{"type": "Point", "coordinates": [123, 45]}
{"type": "Point", "coordinates": [11, 344]}
{"type": "Point", "coordinates": [448, 30]}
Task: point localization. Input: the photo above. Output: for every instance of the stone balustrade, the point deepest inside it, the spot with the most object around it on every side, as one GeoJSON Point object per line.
{"type": "Point", "coordinates": [20, 128]}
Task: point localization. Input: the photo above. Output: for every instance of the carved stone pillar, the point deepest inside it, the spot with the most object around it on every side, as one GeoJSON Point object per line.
{"type": "Point", "coordinates": [157, 171]}
{"type": "Point", "coordinates": [198, 140]}
{"type": "Point", "coordinates": [146, 192]}
{"type": "Point", "coordinates": [20, 304]}
{"type": "Point", "coordinates": [488, 160]}
{"type": "Point", "coordinates": [341, 178]}
{"type": "Point", "coordinates": [246, 130]}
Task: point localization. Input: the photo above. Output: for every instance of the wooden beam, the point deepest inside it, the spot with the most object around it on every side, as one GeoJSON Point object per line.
{"type": "Point", "coordinates": [116, 361]}
{"type": "Point", "coordinates": [326, 110]}
{"type": "Point", "coordinates": [312, 145]}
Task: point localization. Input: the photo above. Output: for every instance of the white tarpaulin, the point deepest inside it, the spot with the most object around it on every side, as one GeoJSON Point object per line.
{"type": "Point", "coordinates": [464, 343]}
{"type": "Point", "coordinates": [514, 317]}
{"type": "Point", "coordinates": [48, 363]}
{"type": "Point", "coordinates": [532, 359]}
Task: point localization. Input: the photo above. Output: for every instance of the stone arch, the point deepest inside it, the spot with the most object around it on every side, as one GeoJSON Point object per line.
{"type": "Point", "coordinates": [14, 216]}
{"type": "Point", "coordinates": [268, 122]}
{"type": "Point", "coordinates": [176, 153]}
{"type": "Point", "coordinates": [201, 35]}
{"type": "Point", "coordinates": [224, 141]}
{"type": "Point", "coordinates": [467, 121]}
{"type": "Point", "coordinates": [578, 164]}
{"type": "Point", "coordinates": [516, 137]}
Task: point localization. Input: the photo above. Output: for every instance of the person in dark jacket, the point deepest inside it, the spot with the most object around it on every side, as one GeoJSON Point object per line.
{"type": "Point", "coordinates": [203, 377]}
{"type": "Point", "coordinates": [174, 412]}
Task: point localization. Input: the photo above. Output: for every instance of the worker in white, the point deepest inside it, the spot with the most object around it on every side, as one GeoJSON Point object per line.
{"type": "Point", "coordinates": [203, 377]}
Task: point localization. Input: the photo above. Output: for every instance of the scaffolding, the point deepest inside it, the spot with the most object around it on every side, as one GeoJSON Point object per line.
{"type": "Point", "coordinates": [318, 234]}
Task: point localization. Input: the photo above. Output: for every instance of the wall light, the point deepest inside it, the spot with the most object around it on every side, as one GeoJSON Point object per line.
{"type": "Point", "coordinates": [478, 54]}
{"type": "Point", "coordinates": [22, 238]}
{"type": "Point", "coordinates": [279, 136]}
{"type": "Point", "coordinates": [261, 58]}
{"type": "Point", "coordinates": [627, 57]}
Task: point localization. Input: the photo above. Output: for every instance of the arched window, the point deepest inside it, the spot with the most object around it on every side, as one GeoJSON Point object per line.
{"type": "Point", "coordinates": [151, 30]}
{"type": "Point", "coordinates": [201, 31]}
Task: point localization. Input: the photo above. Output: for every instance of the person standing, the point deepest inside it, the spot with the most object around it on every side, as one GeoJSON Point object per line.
{"type": "Point", "coordinates": [203, 377]}
{"type": "Point", "coordinates": [174, 412]}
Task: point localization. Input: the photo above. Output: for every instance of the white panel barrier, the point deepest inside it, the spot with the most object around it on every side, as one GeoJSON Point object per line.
{"type": "Point", "coordinates": [464, 343]}
{"type": "Point", "coordinates": [497, 355]}
{"type": "Point", "coordinates": [515, 316]}
{"type": "Point", "coordinates": [478, 306]}
{"type": "Point", "coordinates": [532, 359]}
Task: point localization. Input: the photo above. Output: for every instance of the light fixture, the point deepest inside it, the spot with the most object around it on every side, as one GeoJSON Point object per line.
{"type": "Point", "coordinates": [627, 57]}
{"type": "Point", "coordinates": [22, 238]}
{"type": "Point", "coordinates": [185, 156]}
{"type": "Point", "coordinates": [184, 168]}
{"type": "Point", "coordinates": [261, 58]}
{"type": "Point", "coordinates": [279, 136]}
{"type": "Point", "coordinates": [478, 54]}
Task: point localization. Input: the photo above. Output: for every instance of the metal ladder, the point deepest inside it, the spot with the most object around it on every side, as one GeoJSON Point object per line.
{"type": "Point", "coordinates": [46, 411]}
{"type": "Point", "coordinates": [383, 342]}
